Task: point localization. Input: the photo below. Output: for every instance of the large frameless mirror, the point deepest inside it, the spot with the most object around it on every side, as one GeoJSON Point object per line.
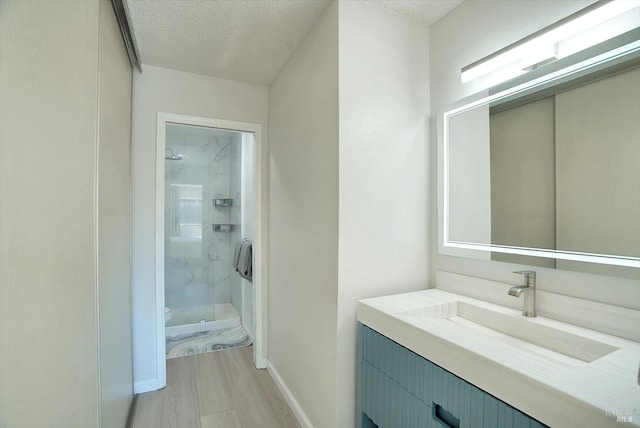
{"type": "Point", "coordinates": [545, 170]}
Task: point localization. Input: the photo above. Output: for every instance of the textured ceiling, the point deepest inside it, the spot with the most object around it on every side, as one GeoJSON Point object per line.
{"type": "Point", "coordinates": [427, 11]}
{"type": "Point", "coordinates": [243, 40]}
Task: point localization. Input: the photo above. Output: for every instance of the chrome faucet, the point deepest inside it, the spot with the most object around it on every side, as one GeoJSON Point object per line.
{"type": "Point", "coordinates": [529, 290]}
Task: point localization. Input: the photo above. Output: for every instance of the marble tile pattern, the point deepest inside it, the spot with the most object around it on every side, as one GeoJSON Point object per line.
{"type": "Point", "coordinates": [207, 341]}
{"type": "Point", "coordinates": [218, 245]}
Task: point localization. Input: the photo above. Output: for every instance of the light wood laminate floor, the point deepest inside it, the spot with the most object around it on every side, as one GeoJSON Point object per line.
{"type": "Point", "coordinates": [219, 389]}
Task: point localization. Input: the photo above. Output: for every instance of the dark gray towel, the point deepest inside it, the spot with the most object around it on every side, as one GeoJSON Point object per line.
{"type": "Point", "coordinates": [236, 255]}
{"type": "Point", "coordinates": [242, 258]}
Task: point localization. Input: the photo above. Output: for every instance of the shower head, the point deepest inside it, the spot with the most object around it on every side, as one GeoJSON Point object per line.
{"type": "Point", "coordinates": [173, 155]}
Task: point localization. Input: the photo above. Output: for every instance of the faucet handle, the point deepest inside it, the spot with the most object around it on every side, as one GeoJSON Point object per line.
{"type": "Point", "coordinates": [529, 276]}
{"type": "Point", "coordinates": [525, 272]}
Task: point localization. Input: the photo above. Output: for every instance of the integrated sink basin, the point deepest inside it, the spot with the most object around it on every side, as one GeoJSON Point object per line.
{"type": "Point", "coordinates": [563, 374]}
{"type": "Point", "coordinates": [513, 329]}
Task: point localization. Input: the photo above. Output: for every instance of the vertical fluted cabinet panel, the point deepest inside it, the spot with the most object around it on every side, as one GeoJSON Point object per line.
{"type": "Point", "coordinates": [398, 388]}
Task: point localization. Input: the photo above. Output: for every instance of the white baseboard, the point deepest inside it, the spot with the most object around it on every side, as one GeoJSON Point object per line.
{"type": "Point", "coordinates": [145, 386]}
{"type": "Point", "coordinates": [302, 418]}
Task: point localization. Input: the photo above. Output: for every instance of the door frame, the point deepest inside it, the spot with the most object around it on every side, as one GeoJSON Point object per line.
{"type": "Point", "coordinates": [259, 243]}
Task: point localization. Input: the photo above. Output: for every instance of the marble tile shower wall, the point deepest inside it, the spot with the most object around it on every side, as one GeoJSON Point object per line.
{"type": "Point", "coordinates": [220, 245]}
{"type": "Point", "coordinates": [197, 271]}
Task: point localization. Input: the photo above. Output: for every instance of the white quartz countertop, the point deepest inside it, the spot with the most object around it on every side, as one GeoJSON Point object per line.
{"type": "Point", "coordinates": [558, 390]}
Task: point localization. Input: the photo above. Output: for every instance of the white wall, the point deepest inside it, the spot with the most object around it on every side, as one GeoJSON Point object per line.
{"type": "Point", "coordinates": [384, 164]}
{"type": "Point", "coordinates": [471, 31]}
{"type": "Point", "coordinates": [303, 221]}
{"type": "Point", "coordinates": [160, 90]}
{"type": "Point", "coordinates": [65, 356]}
{"type": "Point", "coordinates": [348, 118]}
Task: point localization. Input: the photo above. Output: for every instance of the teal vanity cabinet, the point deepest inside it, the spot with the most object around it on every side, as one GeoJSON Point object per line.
{"type": "Point", "coordinates": [400, 389]}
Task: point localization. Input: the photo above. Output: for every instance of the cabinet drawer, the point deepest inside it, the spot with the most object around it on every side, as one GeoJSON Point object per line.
{"type": "Point", "coordinates": [389, 405]}
{"type": "Point", "coordinates": [434, 387]}
{"type": "Point", "coordinates": [410, 370]}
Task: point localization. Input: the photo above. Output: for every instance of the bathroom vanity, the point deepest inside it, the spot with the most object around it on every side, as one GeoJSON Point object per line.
{"type": "Point", "coordinates": [401, 388]}
{"type": "Point", "coordinates": [434, 358]}
{"type": "Point", "coordinates": [529, 173]}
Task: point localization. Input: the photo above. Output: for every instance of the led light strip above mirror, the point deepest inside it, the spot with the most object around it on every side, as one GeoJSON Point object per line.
{"type": "Point", "coordinates": [613, 57]}
{"type": "Point", "coordinates": [597, 23]}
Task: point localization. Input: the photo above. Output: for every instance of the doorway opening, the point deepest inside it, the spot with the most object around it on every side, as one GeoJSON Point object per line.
{"type": "Point", "coordinates": [208, 237]}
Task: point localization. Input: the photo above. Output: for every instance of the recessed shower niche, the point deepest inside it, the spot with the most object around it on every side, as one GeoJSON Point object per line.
{"type": "Point", "coordinates": [208, 207]}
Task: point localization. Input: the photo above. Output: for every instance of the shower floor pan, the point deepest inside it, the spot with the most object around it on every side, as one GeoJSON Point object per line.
{"type": "Point", "coordinates": [187, 320]}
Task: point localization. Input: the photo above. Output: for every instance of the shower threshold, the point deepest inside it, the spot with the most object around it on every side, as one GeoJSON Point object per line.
{"type": "Point", "coordinates": [225, 317]}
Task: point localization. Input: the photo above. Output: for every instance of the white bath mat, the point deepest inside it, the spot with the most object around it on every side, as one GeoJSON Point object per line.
{"type": "Point", "coordinates": [207, 341]}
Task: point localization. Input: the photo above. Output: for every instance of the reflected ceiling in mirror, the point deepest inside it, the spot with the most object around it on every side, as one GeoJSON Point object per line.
{"type": "Point", "coordinates": [545, 170]}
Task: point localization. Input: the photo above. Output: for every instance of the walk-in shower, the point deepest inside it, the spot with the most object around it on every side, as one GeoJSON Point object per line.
{"type": "Point", "coordinates": [208, 208]}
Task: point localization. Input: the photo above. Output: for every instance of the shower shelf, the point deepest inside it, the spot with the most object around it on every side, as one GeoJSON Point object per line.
{"type": "Point", "coordinates": [222, 202]}
{"type": "Point", "coordinates": [222, 227]}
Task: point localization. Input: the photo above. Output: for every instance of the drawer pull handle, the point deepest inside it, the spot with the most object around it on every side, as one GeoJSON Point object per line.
{"type": "Point", "coordinates": [445, 418]}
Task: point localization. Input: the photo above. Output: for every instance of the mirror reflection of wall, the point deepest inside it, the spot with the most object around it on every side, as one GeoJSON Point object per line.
{"type": "Point", "coordinates": [565, 173]}
{"type": "Point", "coordinates": [470, 177]}
{"type": "Point", "coordinates": [523, 207]}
